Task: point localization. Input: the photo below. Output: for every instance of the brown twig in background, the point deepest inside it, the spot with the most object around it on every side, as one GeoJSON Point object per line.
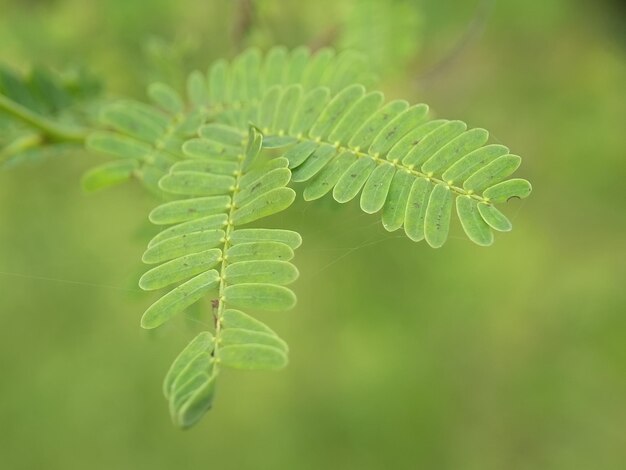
{"type": "Point", "coordinates": [473, 31]}
{"type": "Point", "coordinates": [242, 23]}
{"type": "Point", "coordinates": [325, 39]}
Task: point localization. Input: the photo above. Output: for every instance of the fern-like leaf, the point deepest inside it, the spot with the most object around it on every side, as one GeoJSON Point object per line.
{"type": "Point", "coordinates": [204, 252]}
{"type": "Point", "coordinates": [335, 136]}
{"type": "Point", "coordinates": [406, 165]}
{"type": "Point", "coordinates": [402, 163]}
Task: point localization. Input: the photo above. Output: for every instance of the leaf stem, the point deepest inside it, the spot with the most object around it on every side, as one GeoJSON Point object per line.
{"type": "Point", "coordinates": [222, 286]}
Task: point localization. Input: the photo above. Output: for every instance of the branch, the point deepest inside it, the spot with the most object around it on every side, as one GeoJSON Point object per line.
{"type": "Point", "coordinates": [51, 130]}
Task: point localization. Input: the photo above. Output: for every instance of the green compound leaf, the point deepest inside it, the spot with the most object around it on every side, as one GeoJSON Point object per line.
{"type": "Point", "coordinates": [212, 155]}
{"type": "Point", "coordinates": [340, 147]}
{"type": "Point", "coordinates": [434, 151]}
{"type": "Point", "coordinates": [204, 254]}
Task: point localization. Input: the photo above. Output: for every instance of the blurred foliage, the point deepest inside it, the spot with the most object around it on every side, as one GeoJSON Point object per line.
{"type": "Point", "coordinates": [52, 108]}
{"type": "Point", "coordinates": [391, 41]}
{"type": "Point", "coordinates": [402, 357]}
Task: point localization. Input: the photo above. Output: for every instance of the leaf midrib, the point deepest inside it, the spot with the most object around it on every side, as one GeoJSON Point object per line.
{"type": "Point", "coordinates": [224, 263]}
{"type": "Point", "coordinates": [398, 164]}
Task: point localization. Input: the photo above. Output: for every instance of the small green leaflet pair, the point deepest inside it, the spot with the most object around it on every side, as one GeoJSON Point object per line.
{"type": "Point", "coordinates": [204, 156]}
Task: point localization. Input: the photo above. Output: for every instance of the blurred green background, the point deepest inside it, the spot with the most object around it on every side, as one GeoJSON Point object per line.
{"type": "Point", "coordinates": [402, 357]}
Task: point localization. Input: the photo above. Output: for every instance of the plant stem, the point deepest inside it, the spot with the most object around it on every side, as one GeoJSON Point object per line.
{"type": "Point", "coordinates": [50, 129]}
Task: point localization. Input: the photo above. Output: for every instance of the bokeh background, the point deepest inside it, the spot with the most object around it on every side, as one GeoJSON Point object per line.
{"type": "Point", "coordinates": [402, 357]}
